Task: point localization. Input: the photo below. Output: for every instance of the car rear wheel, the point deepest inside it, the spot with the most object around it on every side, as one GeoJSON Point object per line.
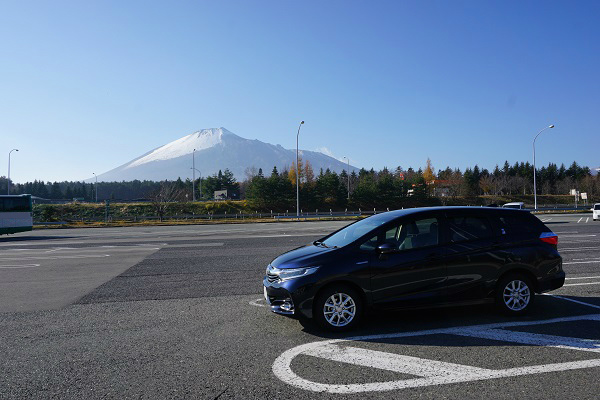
{"type": "Point", "coordinates": [338, 308]}
{"type": "Point", "coordinates": [514, 294]}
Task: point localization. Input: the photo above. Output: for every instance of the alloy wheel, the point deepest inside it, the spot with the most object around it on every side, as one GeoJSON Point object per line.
{"type": "Point", "coordinates": [339, 309]}
{"type": "Point", "coordinates": [516, 295]}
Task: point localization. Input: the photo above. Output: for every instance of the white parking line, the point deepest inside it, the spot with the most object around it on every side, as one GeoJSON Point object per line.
{"type": "Point", "coordinates": [9, 266]}
{"type": "Point", "coordinates": [579, 248]}
{"type": "Point", "coordinates": [256, 302]}
{"type": "Point", "coordinates": [574, 236]}
{"type": "Point", "coordinates": [580, 220]}
{"type": "Point", "coordinates": [581, 262]}
{"type": "Point", "coordinates": [587, 219]}
{"type": "Point", "coordinates": [432, 372]}
{"type": "Point", "coordinates": [572, 300]}
{"type": "Point", "coordinates": [56, 257]}
{"type": "Point", "coordinates": [584, 277]}
{"type": "Point", "coordinates": [582, 284]}
{"type": "Point", "coordinates": [391, 362]}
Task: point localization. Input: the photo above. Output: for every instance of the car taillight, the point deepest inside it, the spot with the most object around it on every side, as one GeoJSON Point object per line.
{"type": "Point", "coordinates": [550, 238]}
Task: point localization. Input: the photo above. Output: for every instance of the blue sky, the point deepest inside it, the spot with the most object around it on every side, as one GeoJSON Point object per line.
{"type": "Point", "coordinates": [87, 86]}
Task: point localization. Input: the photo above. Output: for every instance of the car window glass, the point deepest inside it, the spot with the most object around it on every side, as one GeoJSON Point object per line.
{"type": "Point", "coordinates": [468, 228]}
{"type": "Point", "coordinates": [597, 207]}
{"type": "Point", "coordinates": [517, 224]}
{"type": "Point", "coordinates": [354, 231]}
{"type": "Point", "coordinates": [406, 236]}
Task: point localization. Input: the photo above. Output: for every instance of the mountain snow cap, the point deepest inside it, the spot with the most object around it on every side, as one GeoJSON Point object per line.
{"type": "Point", "coordinates": [200, 140]}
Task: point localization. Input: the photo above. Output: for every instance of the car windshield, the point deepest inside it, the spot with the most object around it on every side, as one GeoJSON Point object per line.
{"type": "Point", "coordinates": [354, 231]}
{"type": "Point", "coordinates": [597, 207]}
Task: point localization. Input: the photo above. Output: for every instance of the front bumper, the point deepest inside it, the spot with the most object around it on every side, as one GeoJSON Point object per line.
{"type": "Point", "coordinates": [279, 300]}
{"type": "Point", "coordinates": [293, 298]}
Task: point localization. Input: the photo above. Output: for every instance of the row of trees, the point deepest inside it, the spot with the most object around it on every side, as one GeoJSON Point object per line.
{"type": "Point", "coordinates": [404, 188]}
{"type": "Point", "coordinates": [329, 190]}
{"type": "Point", "coordinates": [132, 190]}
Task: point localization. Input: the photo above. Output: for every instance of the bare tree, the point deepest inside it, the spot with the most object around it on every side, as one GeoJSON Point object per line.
{"type": "Point", "coordinates": [250, 172]}
{"type": "Point", "coordinates": [165, 194]}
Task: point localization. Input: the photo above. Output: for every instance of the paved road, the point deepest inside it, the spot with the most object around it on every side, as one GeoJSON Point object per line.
{"type": "Point", "coordinates": [176, 312]}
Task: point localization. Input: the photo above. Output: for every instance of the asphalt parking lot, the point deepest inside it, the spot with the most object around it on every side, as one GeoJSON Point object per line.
{"type": "Point", "coordinates": [177, 312]}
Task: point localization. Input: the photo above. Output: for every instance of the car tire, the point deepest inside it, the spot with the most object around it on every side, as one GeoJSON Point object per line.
{"type": "Point", "coordinates": [514, 294]}
{"type": "Point", "coordinates": [338, 308]}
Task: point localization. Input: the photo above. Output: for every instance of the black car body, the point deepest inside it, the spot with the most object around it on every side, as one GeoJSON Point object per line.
{"type": "Point", "coordinates": [417, 258]}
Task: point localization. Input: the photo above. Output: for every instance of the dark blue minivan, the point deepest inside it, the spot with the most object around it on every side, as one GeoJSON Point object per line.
{"type": "Point", "coordinates": [418, 257]}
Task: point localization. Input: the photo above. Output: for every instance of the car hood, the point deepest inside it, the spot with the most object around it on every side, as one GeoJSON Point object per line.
{"type": "Point", "coordinates": [301, 257]}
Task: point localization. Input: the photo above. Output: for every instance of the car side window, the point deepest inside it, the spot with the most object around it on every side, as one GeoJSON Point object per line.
{"type": "Point", "coordinates": [389, 236]}
{"type": "Point", "coordinates": [468, 228]}
{"type": "Point", "coordinates": [418, 233]}
{"type": "Point", "coordinates": [408, 235]}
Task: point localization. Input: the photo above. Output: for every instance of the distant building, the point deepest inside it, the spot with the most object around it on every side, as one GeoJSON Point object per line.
{"type": "Point", "coordinates": [225, 195]}
{"type": "Point", "coordinates": [220, 195]}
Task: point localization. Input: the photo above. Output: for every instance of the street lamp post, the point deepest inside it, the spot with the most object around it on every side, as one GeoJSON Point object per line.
{"type": "Point", "coordinates": [298, 174]}
{"type": "Point", "coordinates": [193, 175]}
{"type": "Point", "coordinates": [348, 176]}
{"type": "Point", "coordinates": [534, 183]}
{"type": "Point", "coordinates": [200, 181]}
{"type": "Point", "coordinates": [8, 180]}
{"type": "Point", "coordinates": [96, 186]}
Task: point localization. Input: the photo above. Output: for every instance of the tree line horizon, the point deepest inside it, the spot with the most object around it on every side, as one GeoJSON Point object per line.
{"type": "Point", "coordinates": [276, 190]}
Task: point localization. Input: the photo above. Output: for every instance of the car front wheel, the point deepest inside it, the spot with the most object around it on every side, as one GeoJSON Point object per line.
{"type": "Point", "coordinates": [338, 308]}
{"type": "Point", "coordinates": [514, 294]}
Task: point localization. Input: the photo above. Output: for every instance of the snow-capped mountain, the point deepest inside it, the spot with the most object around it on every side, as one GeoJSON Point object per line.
{"type": "Point", "coordinates": [216, 149]}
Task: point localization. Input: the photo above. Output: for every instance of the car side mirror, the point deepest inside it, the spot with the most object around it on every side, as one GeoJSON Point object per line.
{"type": "Point", "coordinates": [386, 248]}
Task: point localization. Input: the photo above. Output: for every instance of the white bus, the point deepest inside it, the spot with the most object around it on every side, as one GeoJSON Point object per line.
{"type": "Point", "coordinates": [16, 214]}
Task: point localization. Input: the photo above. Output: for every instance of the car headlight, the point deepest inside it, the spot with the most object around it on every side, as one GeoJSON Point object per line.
{"type": "Point", "coordinates": [285, 274]}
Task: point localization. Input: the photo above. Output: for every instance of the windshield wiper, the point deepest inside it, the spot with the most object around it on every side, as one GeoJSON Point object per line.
{"type": "Point", "coordinates": [319, 243]}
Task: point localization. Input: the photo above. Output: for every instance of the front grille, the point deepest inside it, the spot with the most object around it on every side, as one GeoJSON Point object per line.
{"type": "Point", "coordinates": [272, 278]}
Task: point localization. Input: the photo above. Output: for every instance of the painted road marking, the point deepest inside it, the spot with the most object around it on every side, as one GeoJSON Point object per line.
{"type": "Point", "coordinates": [580, 220]}
{"type": "Point", "coordinates": [257, 302]}
{"type": "Point", "coordinates": [584, 277]}
{"type": "Point", "coordinates": [57, 257]}
{"type": "Point", "coordinates": [572, 300]}
{"type": "Point", "coordinates": [581, 262]}
{"type": "Point", "coordinates": [19, 266]}
{"type": "Point", "coordinates": [582, 284]}
{"type": "Point", "coordinates": [587, 219]}
{"type": "Point", "coordinates": [573, 236]}
{"type": "Point", "coordinates": [580, 248]}
{"type": "Point", "coordinates": [432, 372]}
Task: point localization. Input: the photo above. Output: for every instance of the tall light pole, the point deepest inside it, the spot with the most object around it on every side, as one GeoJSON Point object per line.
{"type": "Point", "coordinates": [348, 176]}
{"type": "Point", "coordinates": [200, 182]}
{"type": "Point", "coordinates": [96, 186]}
{"type": "Point", "coordinates": [193, 175]}
{"type": "Point", "coordinates": [534, 183]}
{"type": "Point", "coordinates": [8, 180]}
{"type": "Point", "coordinates": [298, 174]}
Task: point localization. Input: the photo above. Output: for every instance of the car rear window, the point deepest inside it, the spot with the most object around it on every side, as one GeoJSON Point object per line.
{"type": "Point", "coordinates": [518, 224]}
{"type": "Point", "coordinates": [469, 228]}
